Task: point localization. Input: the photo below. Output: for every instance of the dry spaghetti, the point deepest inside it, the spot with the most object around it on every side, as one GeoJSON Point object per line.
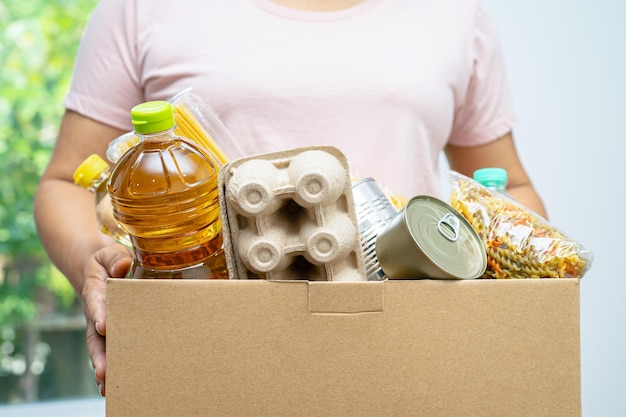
{"type": "Point", "coordinates": [519, 243]}
{"type": "Point", "coordinates": [188, 126]}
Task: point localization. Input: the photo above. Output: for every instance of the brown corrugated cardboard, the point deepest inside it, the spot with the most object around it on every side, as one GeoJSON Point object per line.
{"type": "Point", "coordinates": [295, 348]}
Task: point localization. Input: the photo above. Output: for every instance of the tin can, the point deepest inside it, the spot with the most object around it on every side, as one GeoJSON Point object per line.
{"type": "Point", "coordinates": [430, 239]}
{"type": "Point", "coordinates": [373, 211]}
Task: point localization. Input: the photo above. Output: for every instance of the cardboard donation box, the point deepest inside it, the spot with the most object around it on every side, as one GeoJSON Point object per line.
{"type": "Point", "coordinates": [301, 348]}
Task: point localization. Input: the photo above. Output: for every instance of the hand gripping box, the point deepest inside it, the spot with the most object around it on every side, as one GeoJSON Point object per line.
{"type": "Point", "coordinates": [239, 348]}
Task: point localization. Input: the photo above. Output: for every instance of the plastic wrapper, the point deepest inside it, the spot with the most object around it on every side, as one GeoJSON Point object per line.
{"type": "Point", "coordinates": [398, 201]}
{"type": "Point", "coordinates": [120, 145]}
{"type": "Point", "coordinates": [519, 242]}
{"type": "Point", "coordinates": [196, 121]}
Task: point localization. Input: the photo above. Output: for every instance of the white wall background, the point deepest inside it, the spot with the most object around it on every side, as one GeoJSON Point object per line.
{"type": "Point", "coordinates": [566, 62]}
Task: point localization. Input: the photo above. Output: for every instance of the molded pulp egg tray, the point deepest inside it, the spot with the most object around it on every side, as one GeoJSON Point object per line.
{"type": "Point", "coordinates": [290, 215]}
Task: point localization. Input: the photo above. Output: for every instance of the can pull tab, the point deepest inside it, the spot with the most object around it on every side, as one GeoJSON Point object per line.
{"type": "Point", "coordinates": [448, 226]}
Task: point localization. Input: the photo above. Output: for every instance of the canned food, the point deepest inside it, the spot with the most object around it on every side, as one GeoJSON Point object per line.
{"type": "Point", "coordinates": [373, 211]}
{"type": "Point", "coordinates": [430, 239]}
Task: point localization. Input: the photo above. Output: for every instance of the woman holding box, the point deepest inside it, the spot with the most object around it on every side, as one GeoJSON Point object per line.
{"type": "Point", "coordinates": [391, 83]}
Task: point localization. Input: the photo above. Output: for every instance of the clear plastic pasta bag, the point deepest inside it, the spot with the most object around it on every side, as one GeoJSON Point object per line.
{"type": "Point", "coordinates": [195, 120]}
{"type": "Point", "coordinates": [120, 145]}
{"type": "Point", "coordinates": [519, 243]}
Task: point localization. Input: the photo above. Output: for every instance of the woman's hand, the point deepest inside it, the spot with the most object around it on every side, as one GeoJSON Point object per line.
{"type": "Point", "coordinates": [111, 261]}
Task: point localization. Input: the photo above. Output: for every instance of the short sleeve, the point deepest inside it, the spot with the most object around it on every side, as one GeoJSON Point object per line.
{"type": "Point", "coordinates": [106, 79]}
{"type": "Point", "coordinates": [487, 111]}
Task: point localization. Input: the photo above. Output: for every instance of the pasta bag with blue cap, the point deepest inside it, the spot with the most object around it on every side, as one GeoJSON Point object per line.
{"type": "Point", "coordinates": [519, 242]}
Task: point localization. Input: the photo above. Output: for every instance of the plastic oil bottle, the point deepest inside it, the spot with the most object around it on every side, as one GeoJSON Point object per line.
{"type": "Point", "coordinates": [92, 175]}
{"type": "Point", "coordinates": [164, 193]}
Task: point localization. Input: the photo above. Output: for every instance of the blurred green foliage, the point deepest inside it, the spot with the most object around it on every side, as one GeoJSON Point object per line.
{"type": "Point", "coordinates": [38, 43]}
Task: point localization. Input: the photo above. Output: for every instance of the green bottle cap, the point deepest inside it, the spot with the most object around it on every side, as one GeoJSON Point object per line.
{"type": "Point", "coordinates": [152, 117]}
{"type": "Point", "coordinates": [91, 168]}
{"type": "Point", "coordinates": [491, 177]}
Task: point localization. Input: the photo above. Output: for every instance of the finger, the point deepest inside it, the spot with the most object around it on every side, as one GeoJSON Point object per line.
{"type": "Point", "coordinates": [97, 352]}
{"type": "Point", "coordinates": [116, 259]}
{"type": "Point", "coordinates": [120, 267]}
{"type": "Point", "coordinates": [112, 261]}
{"type": "Point", "coordinates": [94, 297]}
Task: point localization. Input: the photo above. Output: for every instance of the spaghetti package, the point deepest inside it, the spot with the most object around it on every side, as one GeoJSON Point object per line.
{"type": "Point", "coordinates": [194, 120]}
{"type": "Point", "coordinates": [118, 146]}
{"type": "Point", "coordinates": [519, 243]}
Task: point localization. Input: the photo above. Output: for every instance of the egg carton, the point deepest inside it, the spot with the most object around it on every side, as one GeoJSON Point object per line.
{"type": "Point", "coordinates": [290, 215]}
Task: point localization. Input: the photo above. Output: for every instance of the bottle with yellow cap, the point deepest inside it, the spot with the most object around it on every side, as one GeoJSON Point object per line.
{"type": "Point", "coordinates": [92, 175]}
{"type": "Point", "coordinates": [164, 194]}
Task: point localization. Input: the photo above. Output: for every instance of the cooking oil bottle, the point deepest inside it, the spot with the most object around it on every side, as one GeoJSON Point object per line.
{"type": "Point", "coordinates": [164, 194]}
{"type": "Point", "coordinates": [92, 175]}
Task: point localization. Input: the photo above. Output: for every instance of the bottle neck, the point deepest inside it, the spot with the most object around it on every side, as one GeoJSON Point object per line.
{"type": "Point", "coordinates": [97, 181]}
{"type": "Point", "coordinates": [161, 136]}
{"type": "Point", "coordinates": [496, 186]}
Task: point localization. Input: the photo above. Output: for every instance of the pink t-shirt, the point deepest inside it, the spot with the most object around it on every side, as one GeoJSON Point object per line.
{"type": "Point", "coordinates": [388, 82]}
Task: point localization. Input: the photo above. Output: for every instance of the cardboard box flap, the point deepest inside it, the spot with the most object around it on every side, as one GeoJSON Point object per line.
{"type": "Point", "coordinates": [346, 297]}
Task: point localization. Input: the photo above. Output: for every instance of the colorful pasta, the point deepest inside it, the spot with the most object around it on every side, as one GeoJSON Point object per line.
{"type": "Point", "coordinates": [519, 243]}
